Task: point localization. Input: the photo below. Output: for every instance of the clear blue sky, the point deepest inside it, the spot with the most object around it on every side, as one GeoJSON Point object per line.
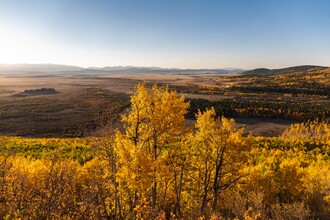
{"type": "Point", "coordinates": [166, 33]}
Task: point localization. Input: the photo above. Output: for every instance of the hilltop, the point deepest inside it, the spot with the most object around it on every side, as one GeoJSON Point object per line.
{"type": "Point", "coordinates": [283, 71]}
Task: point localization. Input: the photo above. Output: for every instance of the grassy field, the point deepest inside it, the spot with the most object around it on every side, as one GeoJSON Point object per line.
{"type": "Point", "coordinates": [74, 116]}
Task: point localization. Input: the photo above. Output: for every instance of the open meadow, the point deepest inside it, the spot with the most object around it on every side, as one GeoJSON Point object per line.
{"type": "Point", "coordinates": [83, 103]}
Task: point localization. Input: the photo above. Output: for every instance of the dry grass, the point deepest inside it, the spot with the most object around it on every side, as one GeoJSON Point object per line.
{"type": "Point", "coordinates": [72, 113]}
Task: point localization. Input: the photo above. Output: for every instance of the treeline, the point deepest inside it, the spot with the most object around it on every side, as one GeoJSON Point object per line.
{"type": "Point", "coordinates": [306, 89]}
{"type": "Point", "coordinates": [242, 107]}
{"type": "Point", "coordinates": [156, 168]}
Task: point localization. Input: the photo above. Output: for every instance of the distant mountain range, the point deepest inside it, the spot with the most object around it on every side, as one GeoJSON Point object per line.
{"type": "Point", "coordinates": [134, 69]}
{"type": "Point", "coordinates": [37, 68]}
{"type": "Point", "coordinates": [49, 68]}
{"type": "Point", "coordinates": [56, 68]}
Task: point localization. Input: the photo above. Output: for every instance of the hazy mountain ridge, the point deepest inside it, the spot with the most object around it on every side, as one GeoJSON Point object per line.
{"type": "Point", "coordinates": [58, 68]}
{"type": "Point", "coordinates": [134, 69]}
{"type": "Point", "coordinates": [52, 68]}
{"type": "Point", "coordinates": [37, 68]}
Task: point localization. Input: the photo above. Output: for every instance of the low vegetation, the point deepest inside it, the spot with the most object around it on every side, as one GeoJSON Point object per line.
{"type": "Point", "coordinates": [76, 116]}
{"type": "Point", "coordinates": [156, 168]}
{"type": "Point", "coordinates": [34, 92]}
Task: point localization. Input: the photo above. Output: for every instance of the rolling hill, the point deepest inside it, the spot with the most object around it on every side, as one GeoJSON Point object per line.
{"type": "Point", "coordinates": [307, 80]}
{"type": "Point", "coordinates": [283, 71]}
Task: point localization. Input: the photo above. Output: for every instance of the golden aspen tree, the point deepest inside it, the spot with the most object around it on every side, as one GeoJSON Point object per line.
{"type": "Point", "coordinates": [179, 160]}
{"type": "Point", "coordinates": [108, 155]}
{"type": "Point", "coordinates": [317, 184]}
{"type": "Point", "coordinates": [156, 117]}
{"type": "Point", "coordinates": [219, 150]}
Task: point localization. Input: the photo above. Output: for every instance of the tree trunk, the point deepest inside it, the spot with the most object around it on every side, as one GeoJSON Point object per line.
{"type": "Point", "coordinates": [217, 176]}
{"type": "Point", "coordinates": [154, 195]}
{"type": "Point", "coordinates": [154, 187]}
{"type": "Point", "coordinates": [204, 200]}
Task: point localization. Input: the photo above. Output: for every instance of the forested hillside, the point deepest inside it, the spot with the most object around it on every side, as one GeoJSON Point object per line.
{"type": "Point", "coordinates": [307, 80]}
{"type": "Point", "coordinates": [158, 168]}
{"type": "Point", "coordinates": [300, 93]}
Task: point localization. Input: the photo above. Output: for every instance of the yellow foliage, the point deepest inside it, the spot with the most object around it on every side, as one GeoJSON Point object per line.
{"type": "Point", "coordinates": [157, 169]}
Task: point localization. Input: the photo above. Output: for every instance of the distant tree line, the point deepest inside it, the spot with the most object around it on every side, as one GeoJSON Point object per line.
{"type": "Point", "coordinates": [311, 89]}
{"type": "Point", "coordinates": [262, 109]}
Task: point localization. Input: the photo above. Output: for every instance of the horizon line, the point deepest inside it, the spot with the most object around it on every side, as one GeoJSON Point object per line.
{"type": "Point", "coordinates": [169, 68]}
